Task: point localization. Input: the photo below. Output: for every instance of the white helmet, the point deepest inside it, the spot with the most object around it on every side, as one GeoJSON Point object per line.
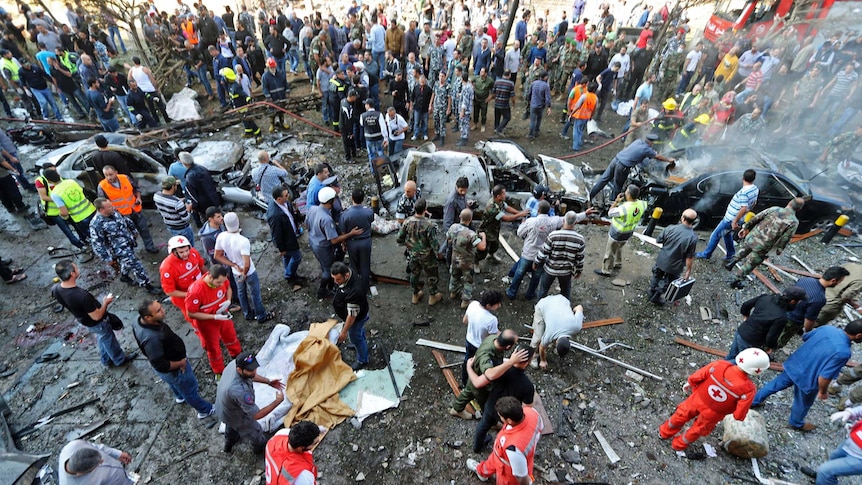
{"type": "Point", "coordinates": [177, 242]}
{"type": "Point", "coordinates": [752, 361]}
{"type": "Point", "coordinates": [325, 195]}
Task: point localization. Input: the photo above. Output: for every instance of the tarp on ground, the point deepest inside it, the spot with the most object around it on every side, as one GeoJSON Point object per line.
{"type": "Point", "coordinates": [183, 106]}
{"type": "Point", "coordinates": [373, 391]}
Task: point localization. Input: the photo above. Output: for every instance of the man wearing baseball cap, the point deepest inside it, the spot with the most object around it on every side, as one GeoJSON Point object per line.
{"type": "Point", "coordinates": [235, 402]}
{"type": "Point", "coordinates": [324, 238]}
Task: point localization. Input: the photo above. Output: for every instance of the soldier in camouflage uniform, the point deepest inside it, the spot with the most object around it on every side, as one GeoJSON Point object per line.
{"type": "Point", "coordinates": [113, 239]}
{"type": "Point", "coordinates": [356, 31]}
{"type": "Point", "coordinates": [465, 45]}
{"type": "Point", "coordinates": [436, 63]}
{"type": "Point", "coordinates": [840, 148]}
{"type": "Point", "coordinates": [455, 88]}
{"type": "Point", "coordinates": [464, 243]}
{"type": "Point", "coordinates": [419, 234]}
{"type": "Point", "coordinates": [441, 106]}
{"type": "Point", "coordinates": [771, 228]}
{"type": "Point", "coordinates": [497, 212]}
{"type": "Point", "coordinates": [318, 48]}
{"type": "Point", "coordinates": [569, 61]}
{"type": "Point", "coordinates": [529, 43]}
{"type": "Point", "coordinates": [553, 64]}
{"type": "Point", "coordinates": [465, 108]}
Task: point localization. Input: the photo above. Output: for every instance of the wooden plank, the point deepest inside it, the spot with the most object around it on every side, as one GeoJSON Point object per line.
{"type": "Point", "coordinates": [612, 455]}
{"type": "Point", "coordinates": [646, 239]}
{"type": "Point", "coordinates": [802, 237]}
{"type": "Point", "coordinates": [539, 406]}
{"type": "Point", "coordinates": [450, 377]}
{"type": "Point", "coordinates": [602, 323]}
{"type": "Point", "coordinates": [511, 252]}
{"type": "Point", "coordinates": [797, 271]}
{"type": "Point", "coordinates": [776, 366]}
{"type": "Point", "coordinates": [775, 275]}
{"type": "Point", "coordinates": [765, 281]}
{"type": "Point", "coordinates": [440, 345]}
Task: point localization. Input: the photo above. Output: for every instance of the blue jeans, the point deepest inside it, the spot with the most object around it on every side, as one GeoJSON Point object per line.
{"type": "Point", "coordinates": [184, 385]}
{"type": "Point", "coordinates": [110, 125]}
{"type": "Point", "coordinates": [569, 122]}
{"type": "Point", "coordinates": [395, 146]}
{"type": "Point", "coordinates": [61, 223]}
{"type": "Point", "coordinates": [125, 108]}
{"type": "Point", "coordinates": [291, 260]}
{"type": "Point", "coordinates": [802, 401]}
{"type": "Point", "coordinates": [187, 232]}
{"type": "Point", "coordinates": [420, 123]}
{"type": "Point", "coordinates": [46, 100]}
{"type": "Point", "coordinates": [840, 464]}
{"type": "Point", "coordinates": [375, 150]}
{"type": "Point", "coordinates": [535, 121]}
{"type": "Point", "coordinates": [110, 351]}
{"type": "Point", "coordinates": [115, 31]}
{"type": "Point", "coordinates": [724, 231]}
{"type": "Point", "coordinates": [522, 267]}
{"type": "Point", "coordinates": [380, 59]}
{"type": "Point", "coordinates": [545, 284]}
{"type": "Point", "coordinates": [250, 286]}
{"type": "Point", "coordinates": [326, 109]}
{"type": "Point", "coordinates": [374, 94]}
{"type": "Point", "coordinates": [578, 134]}
{"type": "Point", "coordinates": [77, 101]}
{"type": "Point", "coordinates": [279, 65]}
{"type": "Point", "coordinates": [202, 76]}
{"type": "Point", "coordinates": [736, 347]}
{"type": "Point", "coordinates": [740, 98]}
{"type": "Point", "coordinates": [293, 57]}
{"type": "Point", "coordinates": [356, 333]}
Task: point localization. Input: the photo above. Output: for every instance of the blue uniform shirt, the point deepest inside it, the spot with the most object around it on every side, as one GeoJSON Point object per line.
{"type": "Point", "coordinates": [810, 307]}
{"type": "Point", "coordinates": [635, 153]}
{"type": "Point", "coordinates": [823, 353]}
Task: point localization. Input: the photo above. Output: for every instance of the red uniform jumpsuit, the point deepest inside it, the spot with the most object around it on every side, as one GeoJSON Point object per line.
{"type": "Point", "coordinates": [201, 298]}
{"type": "Point", "coordinates": [283, 466]}
{"type": "Point", "coordinates": [178, 275]}
{"type": "Point", "coordinates": [524, 437]}
{"type": "Point", "coordinates": [717, 389]}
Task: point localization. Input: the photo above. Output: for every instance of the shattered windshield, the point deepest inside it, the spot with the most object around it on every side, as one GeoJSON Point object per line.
{"type": "Point", "coordinates": [506, 155]}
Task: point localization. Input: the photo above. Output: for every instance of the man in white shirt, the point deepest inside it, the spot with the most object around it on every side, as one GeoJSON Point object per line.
{"type": "Point", "coordinates": [513, 61]}
{"type": "Point", "coordinates": [480, 323]}
{"type": "Point", "coordinates": [234, 250]}
{"type": "Point", "coordinates": [692, 60]}
{"type": "Point", "coordinates": [554, 322]}
{"type": "Point", "coordinates": [625, 66]}
{"type": "Point", "coordinates": [397, 127]}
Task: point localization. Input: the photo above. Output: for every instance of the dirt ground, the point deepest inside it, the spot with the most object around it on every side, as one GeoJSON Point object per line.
{"type": "Point", "coordinates": [170, 446]}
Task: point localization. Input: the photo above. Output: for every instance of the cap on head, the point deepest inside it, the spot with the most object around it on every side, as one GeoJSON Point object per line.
{"type": "Point", "coordinates": [539, 190]}
{"type": "Point", "coordinates": [752, 361]}
{"type": "Point", "coordinates": [231, 222]}
{"type": "Point", "coordinates": [330, 181]}
{"type": "Point", "coordinates": [359, 65]}
{"type": "Point", "coordinates": [563, 346]}
{"type": "Point", "coordinates": [169, 182]}
{"type": "Point", "coordinates": [325, 195]}
{"type": "Point", "coordinates": [652, 137]}
{"type": "Point", "coordinates": [178, 242]}
{"type": "Point", "coordinates": [270, 62]}
{"type": "Point", "coordinates": [246, 361]}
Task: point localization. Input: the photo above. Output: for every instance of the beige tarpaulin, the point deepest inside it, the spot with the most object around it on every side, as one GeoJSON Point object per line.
{"type": "Point", "coordinates": [320, 374]}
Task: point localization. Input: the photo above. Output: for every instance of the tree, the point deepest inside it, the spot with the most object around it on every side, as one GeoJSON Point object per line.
{"type": "Point", "coordinates": [125, 11]}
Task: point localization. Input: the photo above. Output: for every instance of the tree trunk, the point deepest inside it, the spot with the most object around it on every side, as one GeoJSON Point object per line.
{"type": "Point", "coordinates": [513, 11]}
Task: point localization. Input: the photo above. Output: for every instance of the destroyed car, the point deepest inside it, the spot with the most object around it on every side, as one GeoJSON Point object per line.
{"type": "Point", "coordinates": [706, 177]}
{"type": "Point", "coordinates": [499, 162]}
{"type": "Point", "coordinates": [148, 166]}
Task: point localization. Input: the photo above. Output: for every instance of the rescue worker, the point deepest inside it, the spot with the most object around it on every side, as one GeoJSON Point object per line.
{"type": "Point", "coordinates": [717, 389]}
{"type": "Point", "coordinates": [465, 244]}
{"type": "Point", "coordinates": [207, 302]}
{"type": "Point", "coordinates": [238, 99]}
{"type": "Point", "coordinates": [337, 92]}
{"type": "Point", "coordinates": [183, 266]}
{"type": "Point", "coordinates": [770, 228]}
{"type": "Point", "coordinates": [666, 123]}
{"type": "Point", "coordinates": [841, 294]}
{"type": "Point", "coordinates": [346, 121]}
{"type": "Point", "coordinates": [419, 234]}
{"type": "Point", "coordinates": [71, 205]}
{"type": "Point", "coordinates": [515, 445]}
{"type": "Point", "coordinates": [582, 112]}
{"type": "Point", "coordinates": [689, 135]}
{"type": "Point", "coordinates": [136, 102]}
{"type": "Point", "coordinates": [113, 238]}
{"type": "Point", "coordinates": [235, 402]}
{"type": "Point", "coordinates": [618, 170]}
{"type": "Point", "coordinates": [288, 455]}
{"type": "Point", "coordinates": [125, 196]}
{"type": "Point", "coordinates": [275, 89]}
{"type": "Point", "coordinates": [626, 213]}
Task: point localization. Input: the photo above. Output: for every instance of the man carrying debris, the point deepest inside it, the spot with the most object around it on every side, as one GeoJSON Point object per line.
{"type": "Point", "coordinates": [487, 362]}
{"type": "Point", "coordinates": [85, 462]}
{"type": "Point", "coordinates": [679, 243]}
{"type": "Point", "coordinates": [166, 352]}
{"type": "Point", "coordinates": [717, 389]}
{"type": "Point", "coordinates": [764, 317]}
{"type": "Point", "coordinates": [803, 318]}
{"type": "Point", "coordinates": [811, 368]}
{"type": "Point", "coordinates": [743, 201]}
{"type": "Point", "coordinates": [496, 212]}
{"type": "Point", "coordinates": [207, 303]}
{"type": "Point", "coordinates": [288, 455]}
{"type": "Point", "coordinates": [465, 244]}
{"type": "Point", "coordinates": [534, 231]}
{"type": "Point", "coordinates": [554, 322]}
{"type": "Point", "coordinates": [515, 445]}
{"type": "Point", "coordinates": [183, 266]}
{"type": "Point", "coordinates": [419, 234]}
{"type": "Point", "coordinates": [770, 228]}
{"type": "Point", "coordinates": [351, 305]}
{"type": "Point", "coordinates": [625, 216]}
{"type": "Point", "coordinates": [235, 402]}
{"type": "Point", "coordinates": [841, 294]}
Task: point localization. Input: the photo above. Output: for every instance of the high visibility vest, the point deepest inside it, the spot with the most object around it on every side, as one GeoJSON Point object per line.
{"type": "Point", "coordinates": [575, 95]}
{"type": "Point", "coordinates": [633, 211]}
{"type": "Point", "coordinates": [76, 202]}
{"type": "Point", "coordinates": [51, 208]}
{"type": "Point", "coordinates": [190, 33]}
{"type": "Point", "coordinates": [283, 466]}
{"type": "Point", "coordinates": [856, 433]}
{"type": "Point", "coordinates": [123, 198]}
{"type": "Point", "coordinates": [12, 67]}
{"type": "Point", "coordinates": [66, 60]}
{"type": "Point", "coordinates": [585, 112]}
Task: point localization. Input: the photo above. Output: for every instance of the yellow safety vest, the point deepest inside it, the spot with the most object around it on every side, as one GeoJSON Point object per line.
{"type": "Point", "coordinates": [51, 208]}
{"type": "Point", "coordinates": [632, 213]}
{"type": "Point", "coordinates": [76, 202]}
{"type": "Point", "coordinates": [13, 68]}
{"type": "Point", "coordinates": [66, 60]}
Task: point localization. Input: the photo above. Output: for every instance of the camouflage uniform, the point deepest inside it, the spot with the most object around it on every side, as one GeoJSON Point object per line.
{"type": "Point", "coordinates": [771, 228]}
{"type": "Point", "coordinates": [467, 96]}
{"type": "Point", "coordinates": [841, 148]}
{"type": "Point", "coordinates": [669, 80]}
{"type": "Point", "coordinates": [463, 242]}
{"type": "Point", "coordinates": [317, 46]}
{"type": "Point", "coordinates": [419, 234]}
{"type": "Point", "coordinates": [435, 65]}
{"type": "Point", "coordinates": [494, 212]}
{"type": "Point", "coordinates": [465, 45]}
{"type": "Point", "coordinates": [441, 101]}
{"type": "Point", "coordinates": [569, 61]}
{"type": "Point", "coordinates": [455, 87]}
{"type": "Point", "coordinates": [553, 65]}
{"type": "Point", "coordinates": [532, 75]}
{"type": "Point", "coordinates": [114, 239]}
{"type": "Point", "coordinates": [356, 32]}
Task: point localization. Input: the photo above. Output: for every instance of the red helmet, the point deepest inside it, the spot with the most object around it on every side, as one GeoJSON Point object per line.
{"type": "Point", "coordinates": [270, 62]}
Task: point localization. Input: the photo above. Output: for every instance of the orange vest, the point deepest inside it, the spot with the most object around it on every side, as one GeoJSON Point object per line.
{"type": "Point", "coordinates": [576, 93]}
{"type": "Point", "coordinates": [189, 32]}
{"type": "Point", "coordinates": [524, 437]}
{"type": "Point", "coordinates": [122, 198]}
{"type": "Point", "coordinates": [585, 112]}
{"type": "Point", "coordinates": [283, 466]}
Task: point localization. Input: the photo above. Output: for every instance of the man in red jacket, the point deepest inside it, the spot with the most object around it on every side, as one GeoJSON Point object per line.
{"type": "Point", "coordinates": [288, 455]}
{"type": "Point", "coordinates": [717, 389]}
{"type": "Point", "coordinates": [512, 458]}
{"type": "Point", "coordinates": [207, 303]}
{"type": "Point", "coordinates": [183, 266]}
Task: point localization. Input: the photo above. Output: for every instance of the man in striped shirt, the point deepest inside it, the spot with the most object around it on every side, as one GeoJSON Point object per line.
{"type": "Point", "coordinates": [743, 201]}
{"type": "Point", "coordinates": [174, 211]}
{"type": "Point", "coordinates": [561, 257]}
{"type": "Point", "coordinates": [504, 98]}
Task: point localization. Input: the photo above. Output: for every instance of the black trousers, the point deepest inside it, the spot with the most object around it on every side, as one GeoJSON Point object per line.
{"type": "Point", "coordinates": [501, 118]}
{"type": "Point", "coordinates": [349, 143]}
{"type": "Point", "coordinates": [10, 196]}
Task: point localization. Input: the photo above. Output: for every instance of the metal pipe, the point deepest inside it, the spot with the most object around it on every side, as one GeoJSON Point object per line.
{"type": "Point", "coordinates": [588, 350]}
{"type": "Point", "coordinates": [52, 122]}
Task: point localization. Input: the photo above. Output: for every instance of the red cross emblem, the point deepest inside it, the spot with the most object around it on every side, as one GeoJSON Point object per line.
{"type": "Point", "coordinates": [716, 393]}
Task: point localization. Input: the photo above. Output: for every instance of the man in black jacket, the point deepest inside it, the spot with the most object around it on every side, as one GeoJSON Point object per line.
{"type": "Point", "coordinates": [167, 355]}
{"type": "Point", "coordinates": [764, 318]}
{"type": "Point", "coordinates": [283, 222]}
{"type": "Point", "coordinates": [346, 121]}
{"type": "Point", "coordinates": [137, 103]}
{"type": "Point", "coordinates": [200, 187]}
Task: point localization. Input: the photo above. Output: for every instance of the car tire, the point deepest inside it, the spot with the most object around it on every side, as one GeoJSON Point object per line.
{"type": "Point", "coordinates": [820, 223]}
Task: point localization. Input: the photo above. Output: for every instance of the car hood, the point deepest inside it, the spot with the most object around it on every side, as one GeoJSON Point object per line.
{"type": "Point", "coordinates": [437, 172]}
{"type": "Point", "coordinates": [564, 177]}
{"type": "Point", "coordinates": [217, 156]}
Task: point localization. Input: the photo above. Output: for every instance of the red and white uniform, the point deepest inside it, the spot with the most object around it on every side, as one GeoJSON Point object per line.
{"type": "Point", "coordinates": [514, 443]}
{"type": "Point", "coordinates": [717, 389]}
{"type": "Point", "coordinates": [285, 467]}
{"type": "Point", "coordinates": [178, 275]}
{"type": "Point", "coordinates": [201, 298]}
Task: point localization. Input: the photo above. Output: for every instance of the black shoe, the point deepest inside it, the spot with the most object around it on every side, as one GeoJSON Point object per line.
{"type": "Point", "coordinates": [601, 272]}
{"type": "Point", "coordinates": [808, 471]}
{"type": "Point", "coordinates": [729, 264]}
{"type": "Point", "coordinates": [153, 290]}
{"type": "Point", "coordinates": [487, 441]}
{"type": "Point", "coordinates": [128, 358]}
{"type": "Point", "coordinates": [125, 279]}
{"type": "Point", "coordinates": [228, 445]}
{"type": "Point", "coordinates": [359, 365]}
{"type": "Point", "coordinates": [269, 316]}
{"type": "Point", "coordinates": [658, 301]}
{"type": "Point", "coordinates": [737, 284]}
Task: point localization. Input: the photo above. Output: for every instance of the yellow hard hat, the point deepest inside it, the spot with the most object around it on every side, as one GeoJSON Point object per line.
{"type": "Point", "coordinates": [228, 74]}
{"type": "Point", "coordinates": [669, 103]}
{"type": "Point", "coordinates": [702, 119]}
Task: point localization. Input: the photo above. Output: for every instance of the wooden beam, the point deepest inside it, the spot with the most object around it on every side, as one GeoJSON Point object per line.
{"type": "Point", "coordinates": [802, 237]}
{"type": "Point", "coordinates": [775, 275]}
{"type": "Point", "coordinates": [511, 252]}
{"type": "Point", "coordinates": [441, 345]}
{"type": "Point", "coordinates": [602, 323]}
{"type": "Point", "coordinates": [539, 406]}
{"type": "Point", "coordinates": [450, 377]}
{"type": "Point", "coordinates": [776, 366]}
{"type": "Point", "coordinates": [765, 281]}
{"type": "Point", "coordinates": [797, 271]}
{"type": "Point", "coordinates": [612, 455]}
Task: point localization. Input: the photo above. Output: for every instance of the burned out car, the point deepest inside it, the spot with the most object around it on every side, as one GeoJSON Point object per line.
{"type": "Point", "coordinates": [499, 162]}
{"type": "Point", "coordinates": [706, 177]}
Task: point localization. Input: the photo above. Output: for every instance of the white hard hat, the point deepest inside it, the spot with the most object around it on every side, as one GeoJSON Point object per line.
{"type": "Point", "coordinates": [752, 361]}
{"type": "Point", "coordinates": [177, 242]}
{"type": "Point", "coordinates": [325, 195]}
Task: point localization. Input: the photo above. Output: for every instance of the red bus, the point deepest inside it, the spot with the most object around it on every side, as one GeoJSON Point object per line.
{"type": "Point", "coordinates": [759, 15]}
